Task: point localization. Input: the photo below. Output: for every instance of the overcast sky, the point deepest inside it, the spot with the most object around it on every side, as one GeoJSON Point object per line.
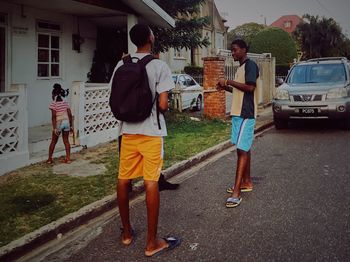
{"type": "Point", "coordinates": [240, 12]}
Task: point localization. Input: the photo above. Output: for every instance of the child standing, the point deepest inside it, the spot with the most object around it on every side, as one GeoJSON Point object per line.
{"type": "Point", "coordinates": [61, 118]}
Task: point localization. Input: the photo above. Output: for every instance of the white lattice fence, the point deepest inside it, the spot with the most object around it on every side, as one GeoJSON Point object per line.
{"type": "Point", "coordinates": [9, 123]}
{"type": "Point", "coordinates": [98, 116]}
{"type": "Point", "coordinates": [94, 122]}
{"type": "Point", "coordinates": [13, 130]}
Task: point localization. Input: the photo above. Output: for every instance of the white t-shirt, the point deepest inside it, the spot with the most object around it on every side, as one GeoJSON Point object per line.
{"type": "Point", "coordinates": [160, 80]}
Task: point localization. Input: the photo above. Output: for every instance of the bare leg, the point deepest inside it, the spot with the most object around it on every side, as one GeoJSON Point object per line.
{"type": "Point", "coordinates": [242, 163]}
{"type": "Point", "coordinates": [54, 139]}
{"type": "Point", "coordinates": [246, 180]}
{"type": "Point", "coordinates": [123, 204]}
{"type": "Point", "coordinates": [65, 138]}
{"type": "Point", "coordinates": [152, 200]}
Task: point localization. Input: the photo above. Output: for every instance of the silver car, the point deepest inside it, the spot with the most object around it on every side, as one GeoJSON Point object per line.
{"type": "Point", "coordinates": [314, 89]}
{"type": "Point", "coordinates": [191, 91]}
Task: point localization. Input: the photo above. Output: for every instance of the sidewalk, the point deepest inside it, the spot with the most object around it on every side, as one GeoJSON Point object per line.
{"type": "Point", "coordinates": [31, 241]}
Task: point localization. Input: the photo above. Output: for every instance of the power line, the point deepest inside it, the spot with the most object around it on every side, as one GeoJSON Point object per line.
{"type": "Point", "coordinates": [324, 8]}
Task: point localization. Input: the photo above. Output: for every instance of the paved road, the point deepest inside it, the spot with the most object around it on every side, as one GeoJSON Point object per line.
{"type": "Point", "coordinates": [299, 209]}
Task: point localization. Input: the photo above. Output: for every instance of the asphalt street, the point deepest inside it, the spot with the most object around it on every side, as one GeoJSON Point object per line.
{"type": "Point", "coordinates": [299, 209]}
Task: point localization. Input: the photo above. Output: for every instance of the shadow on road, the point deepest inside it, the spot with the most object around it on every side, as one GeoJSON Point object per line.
{"type": "Point", "coordinates": [315, 124]}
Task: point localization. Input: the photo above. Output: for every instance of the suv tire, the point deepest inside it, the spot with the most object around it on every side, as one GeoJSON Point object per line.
{"type": "Point", "coordinates": [198, 105]}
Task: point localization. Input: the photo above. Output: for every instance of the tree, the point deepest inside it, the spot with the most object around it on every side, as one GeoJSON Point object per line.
{"type": "Point", "coordinates": [277, 42]}
{"type": "Point", "coordinates": [188, 26]}
{"type": "Point", "coordinates": [321, 37]}
{"type": "Point", "coordinates": [246, 32]}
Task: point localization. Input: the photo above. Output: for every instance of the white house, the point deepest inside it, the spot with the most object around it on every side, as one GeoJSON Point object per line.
{"type": "Point", "coordinates": [47, 42]}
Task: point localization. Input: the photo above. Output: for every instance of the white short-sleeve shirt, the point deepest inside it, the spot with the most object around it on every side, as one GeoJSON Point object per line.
{"type": "Point", "coordinates": [160, 80]}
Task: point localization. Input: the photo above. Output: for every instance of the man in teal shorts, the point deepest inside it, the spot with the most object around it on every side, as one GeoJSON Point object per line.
{"type": "Point", "coordinates": [243, 112]}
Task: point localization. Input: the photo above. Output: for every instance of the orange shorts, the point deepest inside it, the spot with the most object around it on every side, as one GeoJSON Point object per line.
{"type": "Point", "coordinates": [141, 155]}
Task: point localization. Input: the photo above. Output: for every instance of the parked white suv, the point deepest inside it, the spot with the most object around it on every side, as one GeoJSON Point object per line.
{"type": "Point", "coordinates": [314, 89]}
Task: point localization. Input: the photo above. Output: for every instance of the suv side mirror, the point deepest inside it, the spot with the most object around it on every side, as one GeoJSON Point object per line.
{"type": "Point", "coordinates": [279, 81]}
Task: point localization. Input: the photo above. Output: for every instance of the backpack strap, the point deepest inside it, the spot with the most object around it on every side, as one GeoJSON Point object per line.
{"type": "Point", "coordinates": [145, 60]}
{"type": "Point", "coordinates": [127, 59]}
{"type": "Point", "coordinates": [157, 109]}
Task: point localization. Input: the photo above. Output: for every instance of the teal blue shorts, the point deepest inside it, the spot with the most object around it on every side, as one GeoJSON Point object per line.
{"type": "Point", "coordinates": [63, 125]}
{"type": "Point", "coordinates": [242, 134]}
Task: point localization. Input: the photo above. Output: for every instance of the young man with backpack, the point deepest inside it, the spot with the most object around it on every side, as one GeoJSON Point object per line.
{"type": "Point", "coordinates": [139, 97]}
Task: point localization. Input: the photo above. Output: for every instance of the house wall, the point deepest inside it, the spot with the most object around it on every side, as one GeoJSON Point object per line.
{"type": "Point", "coordinates": [176, 63]}
{"type": "Point", "coordinates": [22, 62]}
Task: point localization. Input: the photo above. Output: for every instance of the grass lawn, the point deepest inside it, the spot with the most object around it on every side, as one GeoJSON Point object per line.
{"type": "Point", "coordinates": [34, 196]}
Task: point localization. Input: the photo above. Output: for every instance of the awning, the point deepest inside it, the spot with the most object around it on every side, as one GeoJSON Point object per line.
{"type": "Point", "coordinates": [151, 12]}
{"type": "Point", "coordinates": [114, 10]}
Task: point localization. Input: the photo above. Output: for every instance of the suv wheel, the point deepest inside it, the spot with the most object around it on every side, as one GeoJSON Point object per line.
{"type": "Point", "coordinates": [280, 123]}
{"type": "Point", "coordinates": [199, 103]}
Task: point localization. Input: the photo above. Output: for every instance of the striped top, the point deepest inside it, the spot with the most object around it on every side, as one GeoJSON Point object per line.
{"type": "Point", "coordinates": [60, 107]}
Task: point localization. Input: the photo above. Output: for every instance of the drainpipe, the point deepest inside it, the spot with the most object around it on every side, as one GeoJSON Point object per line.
{"type": "Point", "coordinates": [213, 50]}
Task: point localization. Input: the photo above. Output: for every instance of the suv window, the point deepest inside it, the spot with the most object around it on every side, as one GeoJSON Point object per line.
{"type": "Point", "coordinates": [182, 80]}
{"type": "Point", "coordinates": [317, 73]}
{"type": "Point", "coordinates": [190, 81]}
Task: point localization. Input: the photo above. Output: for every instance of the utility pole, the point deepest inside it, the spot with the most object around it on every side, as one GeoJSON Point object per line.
{"type": "Point", "coordinates": [213, 28]}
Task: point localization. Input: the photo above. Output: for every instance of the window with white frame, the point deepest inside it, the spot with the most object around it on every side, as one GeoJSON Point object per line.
{"type": "Point", "coordinates": [287, 24]}
{"type": "Point", "coordinates": [178, 53]}
{"type": "Point", "coordinates": [48, 39]}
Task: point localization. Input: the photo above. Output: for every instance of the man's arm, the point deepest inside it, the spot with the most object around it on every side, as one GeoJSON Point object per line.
{"type": "Point", "coordinates": [227, 85]}
{"type": "Point", "coordinates": [163, 102]}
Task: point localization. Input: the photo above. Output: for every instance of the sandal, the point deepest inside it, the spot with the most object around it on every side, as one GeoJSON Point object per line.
{"type": "Point", "coordinates": [49, 161]}
{"type": "Point", "coordinates": [66, 161]}
{"type": "Point", "coordinates": [172, 243]}
{"type": "Point", "coordinates": [243, 189]}
{"type": "Point", "coordinates": [233, 201]}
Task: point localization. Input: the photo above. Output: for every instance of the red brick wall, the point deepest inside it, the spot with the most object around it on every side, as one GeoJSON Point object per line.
{"type": "Point", "coordinates": [214, 101]}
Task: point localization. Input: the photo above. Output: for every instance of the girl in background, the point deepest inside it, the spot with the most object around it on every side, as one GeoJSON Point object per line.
{"type": "Point", "coordinates": [61, 118]}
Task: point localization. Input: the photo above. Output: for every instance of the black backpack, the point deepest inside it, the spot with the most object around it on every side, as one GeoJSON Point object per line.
{"type": "Point", "coordinates": [131, 97]}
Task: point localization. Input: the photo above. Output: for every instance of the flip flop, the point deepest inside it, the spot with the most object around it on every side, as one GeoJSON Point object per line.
{"type": "Point", "coordinates": [243, 189]}
{"type": "Point", "coordinates": [132, 240]}
{"type": "Point", "coordinates": [50, 162]}
{"type": "Point", "coordinates": [172, 243]}
{"type": "Point", "coordinates": [65, 161]}
{"type": "Point", "coordinates": [233, 201]}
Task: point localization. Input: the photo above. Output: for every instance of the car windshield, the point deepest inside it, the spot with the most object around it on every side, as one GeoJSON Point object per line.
{"type": "Point", "coordinates": [174, 79]}
{"type": "Point", "coordinates": [317, 73]}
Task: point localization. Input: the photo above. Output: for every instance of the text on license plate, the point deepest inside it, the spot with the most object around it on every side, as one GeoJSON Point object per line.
{"type": "Point", "coordinates": [308, 111]}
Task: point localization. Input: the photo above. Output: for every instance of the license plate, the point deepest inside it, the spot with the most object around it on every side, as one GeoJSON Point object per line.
{"type": "Point", "coordinates": [308, 111]}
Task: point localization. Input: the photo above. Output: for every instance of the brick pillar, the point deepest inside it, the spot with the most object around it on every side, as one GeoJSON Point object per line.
{"type": "Point", "coordinates": [214, 101]}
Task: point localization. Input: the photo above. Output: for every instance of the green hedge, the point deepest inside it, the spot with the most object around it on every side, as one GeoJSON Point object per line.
{"type": "Point", "coordinates": [277, 42]}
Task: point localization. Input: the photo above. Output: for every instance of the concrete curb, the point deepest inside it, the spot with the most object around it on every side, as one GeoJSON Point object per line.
{"type": "Point", "coordinates": [25, 244]}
